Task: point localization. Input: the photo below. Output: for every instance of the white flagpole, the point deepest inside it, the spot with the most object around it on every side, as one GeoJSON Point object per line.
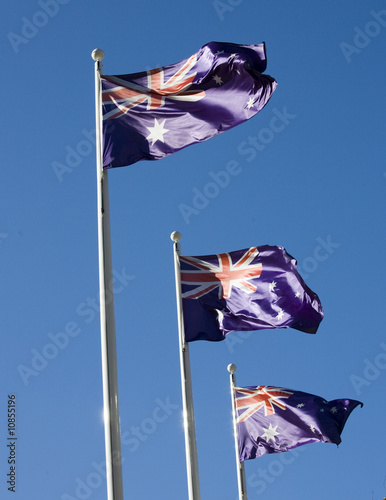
{"type": "Point", "coordinates": [242, 485]}
{"type": "Point", "coordinates": [107, 319]}
{"type": "Point", "coordinates": [186, 385]}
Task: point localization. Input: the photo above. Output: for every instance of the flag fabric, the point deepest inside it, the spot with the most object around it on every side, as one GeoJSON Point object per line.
{"type": "Point", "coordinates": [251, 289]}
{"type": "Point", "coordinates": [152, 114]}
{"type": "Point", "coordinates": [273, 419]}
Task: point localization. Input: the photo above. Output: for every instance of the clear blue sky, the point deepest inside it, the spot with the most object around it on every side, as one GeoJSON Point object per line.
{"type": "Point", "coordinates": [316, 187]}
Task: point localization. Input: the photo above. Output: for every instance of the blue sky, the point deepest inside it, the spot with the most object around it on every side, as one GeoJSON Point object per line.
{"type": "Point", "coordinates": [317, 187]}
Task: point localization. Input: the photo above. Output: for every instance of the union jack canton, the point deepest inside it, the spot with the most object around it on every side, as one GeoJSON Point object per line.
{"type": "Point", "coordinates": [152, 114]}
{"type": "Point", "coordinates": [251, 289]}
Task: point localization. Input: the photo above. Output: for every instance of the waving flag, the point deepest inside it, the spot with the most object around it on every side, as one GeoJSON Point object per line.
{"type": "Point", "coordinates": [273, 419]}
{"type": "Point", "coordinates": [150, 115]}
{"type": "Point", "coordinates": [251, 289]}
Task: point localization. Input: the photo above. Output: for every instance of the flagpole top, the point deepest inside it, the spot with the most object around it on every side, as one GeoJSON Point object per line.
{"type": "Point", "coordinates": [175, 236]}
{"type": "Point", "coordinates": [232, 368]}
{"type": "Point", "coordinates": [97, 54]}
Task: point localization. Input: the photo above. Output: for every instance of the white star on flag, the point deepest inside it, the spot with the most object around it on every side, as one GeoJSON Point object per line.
{"type": "Point", "coordinates": [270, 433]}
{"type": "Point", "coordinates": [157, 132]}
{"type": "Point", "coordinates": [250, 103]}
{"type": "Point", "coordinates": [218, 79]}
{"type": "Point", "coordinates": [272, 286]}
{"type": "Point", "coordinates": [280, 314]}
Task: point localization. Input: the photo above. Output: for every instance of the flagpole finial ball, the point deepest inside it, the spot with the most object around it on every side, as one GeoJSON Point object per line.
{"type": "Point", "coordinates": [175, 236]}
{"type": "Point", "coordinates": [232, 368]}
{"type": "Point", "coordinates": [97, 54]}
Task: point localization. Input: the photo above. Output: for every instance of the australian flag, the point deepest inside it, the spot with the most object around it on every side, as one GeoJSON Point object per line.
{"type": "Point", "coordinates": [152, 114]}
{"type": "Point", "coordinates": [273, 419]}
{"type": "Point", "coordinates": [251, 289]}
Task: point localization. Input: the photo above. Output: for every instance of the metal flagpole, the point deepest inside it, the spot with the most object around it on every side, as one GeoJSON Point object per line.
{"type": "Point", "coordinates": [242, 485]}
{"type": "Point", "coordinates": [186, 385]}
{"type": "Point", "coordinates": [107, 319]}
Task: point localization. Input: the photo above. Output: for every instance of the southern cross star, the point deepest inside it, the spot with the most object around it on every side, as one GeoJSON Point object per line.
{"type": "Point", "coordinates": [250, 103]}
{"type": "Point", "coordinates": [218, 79]}
{"type": "Point", "coordinates": [272, 286]}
